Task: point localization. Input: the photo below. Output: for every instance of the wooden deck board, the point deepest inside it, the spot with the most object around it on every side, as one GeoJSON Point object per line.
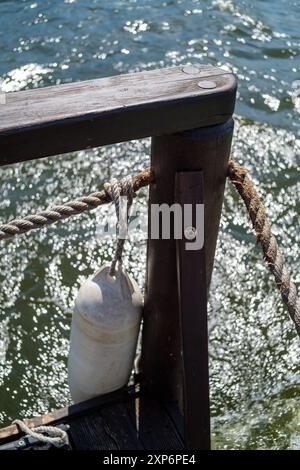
{"type": "Point", "coordinates": [126, 427]}
{"type": "Point", "coordinates": [156, 430]}
{"type": "Point", "coordinates": [120, 426]}
{"type": "Point", "coordinates": [106, 430]}
{"type": "Point", "coordinates": [130, 424]}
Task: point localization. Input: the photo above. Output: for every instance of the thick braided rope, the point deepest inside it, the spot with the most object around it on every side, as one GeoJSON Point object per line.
{"type": "Point", "coordinates": [238, 176]}
{"type": "Point", "coordinates": [56, 436]}
{"type": "Point", "coordinates": [116, 189]}
{"type": "Point", "coordinates": [69, 209]}
{"type": "Point", "coordinates": [272, 254]}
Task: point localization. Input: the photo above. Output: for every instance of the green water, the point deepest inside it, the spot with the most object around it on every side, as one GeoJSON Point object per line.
{"type": "Point", "coordinates": [254, 352]}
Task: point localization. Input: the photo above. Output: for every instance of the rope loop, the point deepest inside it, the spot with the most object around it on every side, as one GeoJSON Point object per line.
{"type": "Point", "coordinates": [56, 436]}
{"type": "Point", "coordinates": [115, 190]}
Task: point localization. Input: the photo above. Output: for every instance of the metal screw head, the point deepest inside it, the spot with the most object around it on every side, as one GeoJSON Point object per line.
{"type": "Point", "coordinates": [190, 233]}
{"type": "Point", "coordinates": [191, 69]}
{"type": "Point", "coordinates": [207, 84]}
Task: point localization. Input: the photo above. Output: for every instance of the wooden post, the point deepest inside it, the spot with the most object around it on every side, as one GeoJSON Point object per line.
{"type": "Point", "coordinates": [191, 276]}
{"type": "Point", "coordinates": [204, 149]}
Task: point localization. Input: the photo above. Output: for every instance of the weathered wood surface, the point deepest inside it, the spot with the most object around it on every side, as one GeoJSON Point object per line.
{"type": "Point", "coordinates": [144, 424]}
{"type": "Point", "coordinates": [105, 429]}
{"type": "Point", "coordinates": [191, 275]}
{"type": "Point", "coordinates": [157, 426]}
{"type": "Point", "coordinates": [135, 423]}
{"type": "Point", "coordinates": [75, 410]}
{"type": "Point", "coordinates": [59, 119]}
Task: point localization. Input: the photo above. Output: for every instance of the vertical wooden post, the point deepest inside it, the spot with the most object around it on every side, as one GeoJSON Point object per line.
{"type": "Point", "coordinates": [204, 149]}
{"type": "Point", "coordinates": [191, 275]}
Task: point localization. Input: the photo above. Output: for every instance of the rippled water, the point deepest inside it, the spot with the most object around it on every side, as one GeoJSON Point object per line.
{"type": "Point", "coordinates": [255, 371]}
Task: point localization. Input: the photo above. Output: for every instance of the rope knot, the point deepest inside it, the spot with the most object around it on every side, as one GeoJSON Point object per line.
{"type": "Point", "coordinates": [46, 434]}
{"type": "Point", "coordinates": [115, 189]}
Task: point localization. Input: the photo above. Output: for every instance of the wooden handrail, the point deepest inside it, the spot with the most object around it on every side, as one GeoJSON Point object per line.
{"type": "Point", "coordinates": [54, 120]}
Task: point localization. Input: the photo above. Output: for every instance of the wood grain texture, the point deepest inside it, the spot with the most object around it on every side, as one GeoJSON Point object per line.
{"type": "Point", "coordinates": [192, 292]}
{"type": "Point", "coordinates": [156, 429]}
{"type": "Point", "coordinates": [106, 429]}
{"type": "Point", "coordinates": [121, 426]}
{"type": "Point", "coordinates": [205, 149]}
{"type": "Point", "coordinates": [91, 432]}
{"type": "Point", "coordinates": [78, 409]}
{"type": "Point", "coordinates": [54, 120]}
{"type": "Point", "coordinates": [141, 425]}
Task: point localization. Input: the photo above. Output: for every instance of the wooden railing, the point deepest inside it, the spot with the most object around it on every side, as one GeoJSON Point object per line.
{"type": "Point", "coordinates": [187, 112]}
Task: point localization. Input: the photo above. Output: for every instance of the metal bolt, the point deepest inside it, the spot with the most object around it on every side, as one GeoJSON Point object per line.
{"type": "Point", "coordinates": [190, 233]}
{"type": "Point", "coordinates": [21, 443]}
{"type": "Point", "coordinates": [207, 84]}
{"type": "Point", "coordinates": [191, 69]}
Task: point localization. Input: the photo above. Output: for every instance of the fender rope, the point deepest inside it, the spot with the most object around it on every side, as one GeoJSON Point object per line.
{"type": "Point", "coordinates": [237, 175]}
{"type": "Point", "coordinates": [115, 189]}
{"type": "Point", "coordinates": [264, 236]}
{"type": "Point", "coordinates": [56, 436]}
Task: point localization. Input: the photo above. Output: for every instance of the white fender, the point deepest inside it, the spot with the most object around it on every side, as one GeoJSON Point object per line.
{"type": "Point", "coordinates": [104, 332]}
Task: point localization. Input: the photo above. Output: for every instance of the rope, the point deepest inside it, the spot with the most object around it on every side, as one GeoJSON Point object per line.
{"type": "Point", "coordinates": [128, 186]}
{"type": "Point", "coordinates": [69, 209]}
{"type": "Point", "coordinates": [56, 436]}
{"type": "Point", "coordinates": [272, 254]}
{"type": "Point", "coordinates": [115, 189]}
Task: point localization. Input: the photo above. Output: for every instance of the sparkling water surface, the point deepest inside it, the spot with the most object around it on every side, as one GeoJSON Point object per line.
{"type": "Point", "coordinates": [254, 352]}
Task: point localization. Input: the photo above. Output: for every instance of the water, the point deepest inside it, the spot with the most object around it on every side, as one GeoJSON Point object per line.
{"type": "Point", "coordinates": [254, 353]}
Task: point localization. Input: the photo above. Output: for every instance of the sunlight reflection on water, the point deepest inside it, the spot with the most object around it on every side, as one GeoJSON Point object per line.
{"type": "Point", "coordinates": [255, 373]}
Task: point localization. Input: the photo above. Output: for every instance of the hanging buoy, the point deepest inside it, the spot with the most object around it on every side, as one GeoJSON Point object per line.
{"type": "Point", "coordinates": [106, 320]}
{"type": "Point", "coordinates": [104, 333]}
